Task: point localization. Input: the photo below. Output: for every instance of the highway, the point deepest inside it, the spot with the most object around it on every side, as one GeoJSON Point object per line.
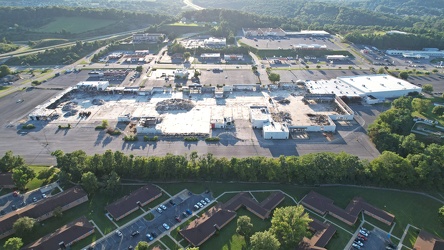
{"type": "Point", "coordinates": [192, 5]}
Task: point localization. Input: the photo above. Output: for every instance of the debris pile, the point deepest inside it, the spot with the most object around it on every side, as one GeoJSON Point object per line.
{"type": "Point", "coordinates": [284, 101]}
{"type": "Point", "coordinates": [69, 106]}
{"type": "Point", "coordinates": [174, 104]}
{"type": "Point", "coordinates": [98, 102]}
{"type": "Point", "coordinates": [282, 117]}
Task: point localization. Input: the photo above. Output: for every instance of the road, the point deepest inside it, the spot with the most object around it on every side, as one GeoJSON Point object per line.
{"type": "Point", "coordinates": [34, 51]}
{"type": "Point", "coordinates": [192, 5]}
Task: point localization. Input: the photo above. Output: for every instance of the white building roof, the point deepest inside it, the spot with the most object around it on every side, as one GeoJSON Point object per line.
{"type": "Point", "coordinates": [333, 86]}
{"type": "Point", "coordinates": [260, 114]}
{"type": "Point", "coordinates": [378, 83]}
{"type": "Point", "coordinates": [308, 32]}
{"type": "Point", "coordinates": [275, 127]}
{"type": "Point", "coordinates": [210, 55]}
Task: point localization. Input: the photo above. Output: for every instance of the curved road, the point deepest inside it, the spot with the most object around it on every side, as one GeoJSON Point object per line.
{"type": "Point", "coordinates": [192, 5]}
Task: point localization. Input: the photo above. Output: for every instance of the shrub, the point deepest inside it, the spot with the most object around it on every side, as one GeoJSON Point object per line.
{"type": "Point", "coordinates": [212, 139]}
{"type": "Point", "coordinates": [190, 138]}
{"type": "Point", "coordinates": [130, 138]}
{"type": "Point", "coordinates": [113, 131]}
{"type": "Point", "coordinates": [146, 138]}
{"type": "Point", "coordinates": [65, 126]}
{"type": "Point", "coordinates": [28, 126]}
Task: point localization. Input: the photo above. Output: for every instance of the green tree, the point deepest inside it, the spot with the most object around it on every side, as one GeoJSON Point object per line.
{"type": "Point", "coordinates": [142, 245]}
{"type": "Point", "coordinates": [8, 162]}
{"type": "Point", "coordinates": [264, 241]}
{"type": "Point", "coordinates": [186, 56]}
{"type": "Point", "coordinates": [192, 248]}
{"type": "Point", "coordinates": [105, 123]}
{"type": "Point", "coordinates": [90, 183]}
{"type": "Point", "coordinates": [113, 182]}
{"type": "Point", "coordinates": [273, 77]}
{"type": "Point", "coordinates": [139, 69]}
{"type": "Point", "coordinates": [428, 88]}
{"type": "Point", "coordinates": [441, 214]}
{"type": "Point", "coordinates": [290, 225]}
{"type": "Point", "coordinates": [404, 75]}
{"type": "Point", "coordinates": [22, 175]}
{"type": "Point", "coordinates": [244, 226]}
{"type": "Point", "coordinates": [381, 71]}
{"type": "Point", "coordinates": [5, 70]}
{"type": "Point", "coordinates": [421, 105]}
{"type": "Point", "coordinates": [14, 243]}
{"type": "Point", "coordinates": [438, 110]}
{"type": "Point", "coordinates": [23, 225]}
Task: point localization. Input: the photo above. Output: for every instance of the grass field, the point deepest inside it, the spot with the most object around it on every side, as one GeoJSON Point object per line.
{"type": "Point", "coordinates": [74, 24]}
{"type": "Point", "coordinates": [36, 183]}
{"type": "Point", "coordinates": [49, 42]}
{"type": "Point", "coordinates": [169, 243]}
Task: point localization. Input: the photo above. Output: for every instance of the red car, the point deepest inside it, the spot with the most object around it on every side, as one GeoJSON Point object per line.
{"type": "Point", "coordinates": [362, 237]}
{"type": "Point", "coordinates": [178, 219]}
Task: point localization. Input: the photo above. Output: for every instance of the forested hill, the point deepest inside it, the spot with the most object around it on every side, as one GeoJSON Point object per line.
{"type": "Point", "coordinates": [313, 12]}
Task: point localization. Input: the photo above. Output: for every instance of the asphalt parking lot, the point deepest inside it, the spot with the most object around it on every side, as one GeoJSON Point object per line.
{"type": "Point", "coordinates": [183, 202]}
{"type": "Point", "coordinates": [376, 240]}
{"type": "Point", "coordinates": [9, 202]}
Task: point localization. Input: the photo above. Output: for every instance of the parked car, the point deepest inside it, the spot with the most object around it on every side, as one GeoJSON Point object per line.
{"type": "Point", "coordinates": [200, 205]}
{"type": "Point", "coordinates": [44, 196]}
{"type": "Point", "coordinates": [163, 207]}
{"type": "Point", "coordinates": [149, 237]}
{"type": "Point", "coordinates": [2, 212]}
{"type": "Point", "coordinates": [358, 242]}
{"type": "Point", "coordinates": [159, 210]}
{"type": "Point", "coordinates": [356, 246]}
{"type": "Point", "coordinates": [172, 203]}
{"type": "Point", "coordinates": [362, 237]}
{"type": "Point", "coordinates": [203, 202]}
{"type": "Point", "coordinates": [119, 233]}
{"type": "Point", "coordinates": [363, 233]}
{"type": "Point", "coordinates": [14, 207]}
{"type": "Point", "coordinates": [135, 233]}
{"type": "Point", "coordinates": [207, 200]}
{"type": "Point", "coordinates": [34, 199]}
{"type": "Point", "coordinates": [177, 218]}
{"type": "Point", "coordinates": [184, 214]}
{"type": "Point", "coordinates": [154, 234]}
{"type": "Point", "coordinates": [196, 207]}
{"type": "Point", "coordinates": [15, 194]}
{"type": "Point", "coordinates": [166, 226]}
{"type": "Point", "coordinates": [189, 212]}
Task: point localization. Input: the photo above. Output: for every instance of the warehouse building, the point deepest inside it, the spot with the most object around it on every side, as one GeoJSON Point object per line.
{"type": "Point", "coordinates": [148, 37]}
{"type": "Point", "coordinates": [426, 53]}
{"type": "Point", "coordinates": [215, 42]}
{"type": "Point", "coordinates": [371, 88]}
{"type": "Point", "coordinates": [263, 32]}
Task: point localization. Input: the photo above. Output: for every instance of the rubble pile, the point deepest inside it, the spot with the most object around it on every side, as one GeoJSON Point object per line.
{"type": "Point", "coordinates": [174, 104]}
{"type": "Point", "coordinates": [282, 117]}
{"type": "Point", "coordinates": [69, 106]}
{"type": "Point", "coordinates": [98, 102]}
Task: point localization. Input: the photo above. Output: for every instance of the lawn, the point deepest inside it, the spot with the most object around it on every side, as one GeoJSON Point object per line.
{"type": "Point", "coordinates": [36, 183]}
{"type": "Point", "coordinates": [169, 242]}
{"type": "Point", "coordinates": [129, 217]}
{"type": "Point", "coordinates": [228, 239]}
{"type": "Point", "coordinates": [410, 238]}
{"type": "Point", "coordinates": [74, 24]}
{"type": "Point", "coordinates": [84, 242]}
{"type": "Point", "coordinates": [156, 202]}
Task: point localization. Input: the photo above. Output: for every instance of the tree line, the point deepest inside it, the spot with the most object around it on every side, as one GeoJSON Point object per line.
{"type": "Point", "coordinates": [422, 170]}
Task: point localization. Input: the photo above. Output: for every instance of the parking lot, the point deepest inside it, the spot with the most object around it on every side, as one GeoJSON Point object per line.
{"type": "Point", "coordinates": [183, 201]}
{"type": "Point", "coordinates": [15, 201]}
{"type": "Point", "coordinates": [376, 240]}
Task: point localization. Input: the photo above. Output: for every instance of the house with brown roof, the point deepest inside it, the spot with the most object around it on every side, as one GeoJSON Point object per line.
{"type": "Point", "coordinates": [428, 241]}
{"type": "Point", "coordinates": [133, 201]}
{"type": "Point", "coordinates": [64, 236]}
{"type": "Point", "coordinates": [261, 210]}
{"type": "Point", "coordinates": [201, 229]}
{"type": "Point", "coordinates": [6, 180]}
{"type": "Point", "coordinates": [43, 209]}
{"type": "Point", "coordinates": [324, 205]}
{"type": "Point", "coordinates": [322, 233]}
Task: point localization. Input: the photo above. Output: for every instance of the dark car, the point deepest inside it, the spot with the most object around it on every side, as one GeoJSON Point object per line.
{"type": "Point", "coordinates": [135, 233]}
{"type": "Point", "coordinates": [14, 207]}
{"type": "Point", "coordinates": [154, 234]}
{"type": "Point", "coordinates": [178, 219]}
{"type": "Point", "coordinates": [2, 212]}
{"type": "Point", "coordinates": [172, 203]}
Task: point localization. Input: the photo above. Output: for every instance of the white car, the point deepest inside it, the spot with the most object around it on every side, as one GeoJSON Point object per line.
{"type": "Point", "coordinates": [356, 246]}
{"type": "Point", "coordinates": [200, 205]}
{"type": "Point", "coordinates": [203, 202]}
{"type": "Point", "coordinates": [119, 233]}
{"type": "Point", "coordinates": [207, 200]}
{"type": "Point", "coordinates": [163, 207]}
{"type": "Point", "coordinates": [363, 233]}
{"type": "Point", "coordinates": [159, 210]}
{"type": "Point", "coordinates": [166, 226]}
{"type": "Point", "coordinates": [357, 242]}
